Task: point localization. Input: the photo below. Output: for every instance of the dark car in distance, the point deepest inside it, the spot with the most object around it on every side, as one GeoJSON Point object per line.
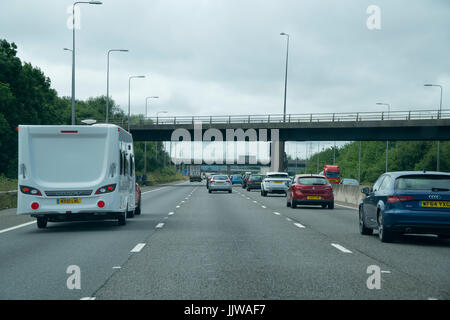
{"type": "Point", "coordinates": [414, 202]}
{"type": "Point", "coordinates": [254, 181]}
{"type": "Point", "coordinates": [309, 189]}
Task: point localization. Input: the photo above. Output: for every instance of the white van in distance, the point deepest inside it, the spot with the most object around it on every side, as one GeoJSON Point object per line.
{"type": "Point", "coordinates": [75, 173]}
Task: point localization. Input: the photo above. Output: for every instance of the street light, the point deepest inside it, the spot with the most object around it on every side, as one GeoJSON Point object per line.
{"type": "Point", "coordinates": [73, 54]}
{"type": "Point", "coordinates": [438, 161]}
{"type": "Point", "coordinates": [157, 114]}
{"type": "Point", "coordinates": [146, 102]}
{"type": "Point", "coordinates": [387, 141]}
{"type": "Point", "coordinates": [129, 93]}
{"type": "Point", "coordinates": [107, 80]}
{"type": "Point", "coordinates": [145, 142]}
{"type": "Point", "coordinates": [285, 74]}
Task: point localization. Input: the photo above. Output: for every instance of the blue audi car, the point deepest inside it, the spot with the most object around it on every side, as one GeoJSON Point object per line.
{"type": "Point", "coordinates": [415, 202]}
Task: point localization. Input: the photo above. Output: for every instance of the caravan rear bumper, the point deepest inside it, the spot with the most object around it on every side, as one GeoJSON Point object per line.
{"type": "Point", "coordinates": [88, 205]}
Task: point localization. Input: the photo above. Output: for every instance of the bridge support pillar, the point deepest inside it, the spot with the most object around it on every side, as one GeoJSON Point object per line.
{"type": "Point", "coordinates": [277, 156]}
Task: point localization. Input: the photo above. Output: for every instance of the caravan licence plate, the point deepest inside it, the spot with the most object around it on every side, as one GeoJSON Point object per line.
{"type": "Point", "coordinates": [68, 201]}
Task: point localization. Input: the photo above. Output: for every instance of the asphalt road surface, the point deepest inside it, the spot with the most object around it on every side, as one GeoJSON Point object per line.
{"type": "Point", "coordinates": [189, 244]}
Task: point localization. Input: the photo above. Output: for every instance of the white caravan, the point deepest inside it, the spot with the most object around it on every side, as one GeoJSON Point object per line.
{"type": "Point", "coordinates": [75, 173]}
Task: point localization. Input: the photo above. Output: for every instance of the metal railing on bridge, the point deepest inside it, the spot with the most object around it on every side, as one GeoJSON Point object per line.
{"type": "Point", "coordinates": [292, 118]}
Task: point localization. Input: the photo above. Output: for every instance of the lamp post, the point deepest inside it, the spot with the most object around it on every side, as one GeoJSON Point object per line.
{"type": "Point", "coordinates": [145, 142]}
{"type": "Point", "coordinates": [387, 141]}
{"type": "Point", "coordinates": [285, 74]}
{"type": "Point", "coordinates": [73, 53]}
{"type": "Point", "coordinates": [438, 156]}
{"type": "Point", "coordinates": [107, 80]}
{"type": "Point", "coordinates": [129, 94]}
{"type": "Point", "coordinates": [157, 115]}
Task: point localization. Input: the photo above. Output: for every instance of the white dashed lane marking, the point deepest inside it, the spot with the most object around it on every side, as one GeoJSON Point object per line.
{"type": "Point", "coordinates": [341, 248]}
{"type": "Point", "coordinates": [160, 225]}
{"type": "Point", "coordinates": [299, 225]}
{"type": "Point", "coordinates": [138, 247]}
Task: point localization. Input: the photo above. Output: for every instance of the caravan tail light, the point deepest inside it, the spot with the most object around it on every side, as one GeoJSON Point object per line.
{"type": "Point", "coordinates": [106, 189]}
{"type": "Point", "coordinates": [35, 206]}
{"type": "Point", "coordinates": [30, 191]}
{"type": "Point", "coordinates": [101, 204]}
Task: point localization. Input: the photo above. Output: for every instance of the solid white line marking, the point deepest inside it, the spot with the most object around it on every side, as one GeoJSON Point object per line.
{"type": "Point", "coordinates": [177, 206]}
{"type": "Point", "coordinates": [255, 201]}
{"type": "Point", "coordinates": [341, 248]}
{"type": "Point", "coordinates": [299, 225]}
{"type": "Point", "coordinates": [170, 213]}
{"type": "Point", "coordinates": [433, 299]}
{"type": "Point", "coordinates": [117, 267]}
{"type": "Point", "coordinates": [154, 190]}
{"type": "Point", "coordinates": [276, 213]}
{"type": "Point", "coordinates": [288, 219]}
{"type": "Point", "coordinates": [138, 247]}
{"type": "Point", "coordinates": [18, 226]}
{"type": "Point", "coordinates": [88, 298]}
{"type": "Point", "coordinates": [160, 225]}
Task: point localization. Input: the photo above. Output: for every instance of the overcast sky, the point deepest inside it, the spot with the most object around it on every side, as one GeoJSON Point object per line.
{"type": "Point", "coordinates": [216, 57]}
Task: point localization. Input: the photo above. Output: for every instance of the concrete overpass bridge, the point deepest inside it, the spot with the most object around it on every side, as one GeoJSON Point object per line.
{"type": "Point", "coordinates": [357, 126]}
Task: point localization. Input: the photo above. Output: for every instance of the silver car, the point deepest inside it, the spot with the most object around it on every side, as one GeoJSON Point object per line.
{"type": "Point", "coordinates": [220, 183]}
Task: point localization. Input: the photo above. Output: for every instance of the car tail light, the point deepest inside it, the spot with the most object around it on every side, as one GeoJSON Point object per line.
{"type": "Point", "coordinates": [106, 189]}
{"type": "Point", "coordinates": [30, 191]}
{"type": "Point", "coordinates": [249, 181]}
{"type": "Point", "coordinates": [228, 181]}
{"type": "Point", "coordinates": [212, 181]}
{"type": "Point", "coordinates": [101, 204]}
{"type": "Point", "coordinates": [35, 206]}
{"type": "Point", "coordinates": [396, 199]}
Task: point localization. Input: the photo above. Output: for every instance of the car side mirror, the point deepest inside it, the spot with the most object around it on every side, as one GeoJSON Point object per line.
{"type": "Point", "coordinates": [365, 190]}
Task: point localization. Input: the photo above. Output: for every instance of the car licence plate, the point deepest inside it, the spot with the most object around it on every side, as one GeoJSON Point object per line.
{"type": "Point", "coordinates": [313, 198]}
{"type": "Point", "coordinates": [435, 204]}
{"type": "Point", "coordinates": [68, 201]}
{"type": "Point", "coordinates": [219, 182]}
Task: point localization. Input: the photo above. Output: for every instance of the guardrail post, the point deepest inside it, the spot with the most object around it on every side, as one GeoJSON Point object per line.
{"type": "Point", "coordinates": [333, 117]}
{"type": "Point", "coordinates": [382, 116]}
{"type": "Point", "coordinates": [268, 119]}
{"type": "Point", "coordinates": [192, 119]}
{"type": "Point", "coordinates": [210, 119]}
{"type": "Point", "coordinates": [289, 117]}
{"type": "Point", "coordinates": [174, 120]}
{"type": "Point", "coordinates": [409, 115]}
{"type": "Point", "coordinates": [310, 117]}
{"type": "Point", "coordinates": [357, 116]}
{"type": "Point", "coordinates": [229, 119]}
{"type": "Point", "coordinates": [249, 119]}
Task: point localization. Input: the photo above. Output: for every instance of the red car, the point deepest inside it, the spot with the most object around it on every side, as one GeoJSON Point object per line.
{"type": "Point", "coordinates": [138, 200]}
{"type": "Point", "coordinates": [309, 189]}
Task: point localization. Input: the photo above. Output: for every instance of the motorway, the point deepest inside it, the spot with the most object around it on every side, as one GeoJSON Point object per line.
{"type": "Point", "coordinates": [188, 244]}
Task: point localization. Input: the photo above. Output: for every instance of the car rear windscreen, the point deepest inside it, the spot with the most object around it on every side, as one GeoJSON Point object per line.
{"type": "Point", "coordinates": [220, 178]}
{"type": "Point", "coordinates": [256, 178]}
{"type": "Point", "coordinates": [312, 181]}
{"type": "Point", "coordinates": [423, 182]}
{"type": "Point", "coordinates": [278, 176]}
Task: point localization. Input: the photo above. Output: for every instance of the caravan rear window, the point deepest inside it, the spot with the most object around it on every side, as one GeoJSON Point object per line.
{"type": "Point", "coordinates": [77, 158]}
